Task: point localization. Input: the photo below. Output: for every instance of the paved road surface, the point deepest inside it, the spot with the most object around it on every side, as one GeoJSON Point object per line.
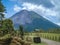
{"type": "Point", "coordinates": [50, 42]}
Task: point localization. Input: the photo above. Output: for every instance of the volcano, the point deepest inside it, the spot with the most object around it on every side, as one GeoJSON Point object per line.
{"type": "Point", "coordinates": [31, 20]}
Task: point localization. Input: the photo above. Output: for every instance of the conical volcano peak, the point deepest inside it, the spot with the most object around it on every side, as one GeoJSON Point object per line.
{"type": "Point", "coordinates": [31, 20]}
{"type": "Point", "coordinates": [25, 11]}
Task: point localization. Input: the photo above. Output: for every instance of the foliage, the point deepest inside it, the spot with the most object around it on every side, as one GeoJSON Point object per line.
{"type": "Point", "coordinates": [50, 30]}
{"type": "Point", "coordinates": [2, 8]}
{"type": "Point", "coordinates": [8, 24]}
{"type": "Point", "coordinates": [21, 31]}
{"type": "Point", "coordinates": [7, 27]}
{"type": "Point", "coordinates": [53, 30]}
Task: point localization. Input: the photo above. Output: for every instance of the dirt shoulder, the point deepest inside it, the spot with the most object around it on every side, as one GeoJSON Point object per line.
{"type": "Point", "coordinates": [50, 42]}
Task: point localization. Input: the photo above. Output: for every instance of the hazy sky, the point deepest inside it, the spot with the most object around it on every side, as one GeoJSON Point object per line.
{"type": "Point", "coordinates": [49, 9]}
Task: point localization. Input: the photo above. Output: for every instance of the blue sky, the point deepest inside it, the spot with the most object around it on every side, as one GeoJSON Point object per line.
{"type": "Point", "coordinates": [49, 9]}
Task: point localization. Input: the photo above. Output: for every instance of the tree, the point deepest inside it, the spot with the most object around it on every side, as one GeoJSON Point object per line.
{"type": "Point", "coordinates": [53, 30]}
{"type": "Point", "coordinates": [8, 25]}
{"type": "Point", "coordinates": [21, 31]}
{"type": "Point", "coordinates": [2, 10]}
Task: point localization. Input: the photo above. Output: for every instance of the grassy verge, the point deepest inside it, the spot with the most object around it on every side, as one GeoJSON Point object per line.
{"type": "Point", "coordinates": [39, 43]}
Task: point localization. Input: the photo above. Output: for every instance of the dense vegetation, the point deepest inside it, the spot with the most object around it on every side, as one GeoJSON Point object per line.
{"type": "Point", "coordinates": [6, 25]}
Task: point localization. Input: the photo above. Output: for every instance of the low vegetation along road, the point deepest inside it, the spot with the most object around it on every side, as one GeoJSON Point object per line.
{"type": "Point", "coordinates": [50, 42]}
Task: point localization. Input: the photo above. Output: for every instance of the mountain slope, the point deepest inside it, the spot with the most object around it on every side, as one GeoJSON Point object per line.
{"type": "Point", "coordinates": [31, 20]}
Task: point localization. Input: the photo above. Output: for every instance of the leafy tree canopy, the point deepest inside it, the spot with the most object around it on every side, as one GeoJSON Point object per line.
{"type": "Point", "coordinates": [2, 8]}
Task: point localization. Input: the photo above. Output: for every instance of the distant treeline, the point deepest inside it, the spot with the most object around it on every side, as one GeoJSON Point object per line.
{"type": "Point", "coordinates": [51, 30]}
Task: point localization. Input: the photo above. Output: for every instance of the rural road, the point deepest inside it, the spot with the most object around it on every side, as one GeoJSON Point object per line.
{"type": "Point", "coordinates": [50, 42]}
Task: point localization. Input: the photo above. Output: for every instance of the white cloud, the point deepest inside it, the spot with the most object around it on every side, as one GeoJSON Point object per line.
{"type": "Point", "coordinates": [58, 24]}
{"type": "Point", "coordinates": [4, 13]}
{"type": "Point", "coordinates": [57, 7]}
{"type": "Point", "coordinates": [17, 8]}
{"type": "Point", "coordinates": [39, 9]}
{"type": "Point", "coordinates": [29, 6]}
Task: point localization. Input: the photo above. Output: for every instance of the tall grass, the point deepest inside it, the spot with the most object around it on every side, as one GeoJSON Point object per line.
{"type": "Point", "coordinates": [51, 36]}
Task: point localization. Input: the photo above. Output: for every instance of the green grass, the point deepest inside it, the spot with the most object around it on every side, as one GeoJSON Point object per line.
{"type": "Point", "coordinates": [39, 43]}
